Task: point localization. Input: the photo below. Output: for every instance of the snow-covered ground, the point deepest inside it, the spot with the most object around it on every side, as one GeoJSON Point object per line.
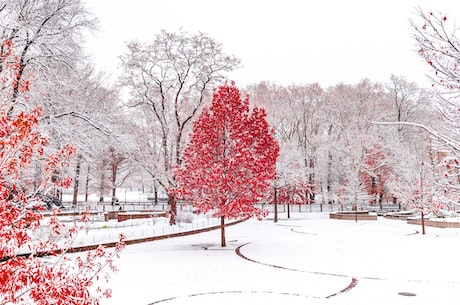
{"type": "Point", "coordinates": [99, 231]}
{"type": "Point", "coordinates": [308, 259]}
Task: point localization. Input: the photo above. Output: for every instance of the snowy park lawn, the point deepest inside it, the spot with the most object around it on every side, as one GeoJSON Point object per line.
{"type": "Point", "coordinates": [308, 259]}
{"type": "Point", "coordinates": [99, 231]}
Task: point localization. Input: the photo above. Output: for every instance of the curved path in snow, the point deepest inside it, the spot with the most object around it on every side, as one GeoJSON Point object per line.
{"type": "Point", "coordinates": [306, 260]}
{"type": "Point", "coordinates": [352, 284]}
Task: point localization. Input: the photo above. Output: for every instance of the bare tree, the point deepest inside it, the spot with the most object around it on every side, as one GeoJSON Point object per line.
{"type": "Point", "coordinates": [328, 142]}
{"type": "Point", "coordinates": [48, 39]}
{"type": "Point", "coordinates": [170, 79]}
{"type": "Point", "coordinates": [408, 101]}
{"type": "Point", "coordinates": [47, 36]}
{"type": "Point", "coordinates": [438, 44]}
{"type": "Point", "coordinates": [87, 114]}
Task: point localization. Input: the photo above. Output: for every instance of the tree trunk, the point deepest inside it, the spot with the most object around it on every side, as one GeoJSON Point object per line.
{"type": "Point", "coordinates": [114, 198]}
{"type": "Point", "coordinates": [222, 232]}
{"type": "Point", "coordinates": [275, 202]}
{"type": "Point", "coordinates": [76, 181]}
{"type": "Point", "coordinates": [355, 208]}
{"type": "Point", "coordinates": [421, 193]}
{"type": "Point", "coordinates": [155, 195]}
{"type": "Point", "coordinates": [87, 185]}
{"type": "Point", "coordinates": [101, 188]}
{"type": "Point", "coordinates": [288, 210]}
{"type": "Point", "coordinates": [173, 209]}
{"type": "Point", "coordinates": [114, 181]}
{"type": "Point", "coordinates": [311, 178]}
{"type": "Point", "coordinates": [423, 222]}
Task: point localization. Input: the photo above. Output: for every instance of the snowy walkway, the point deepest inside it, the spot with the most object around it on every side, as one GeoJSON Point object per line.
{"type": "Point", "coordinates": [309, 259]}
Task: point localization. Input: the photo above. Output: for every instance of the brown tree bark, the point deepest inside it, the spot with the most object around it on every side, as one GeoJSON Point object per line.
{"type": "Point", "coordinates": [423, 222]}
{"type": "Point", "coordinates": [275, 202]}
{"type": "Point", "coordinates": [87, 184]}
{"type": "Point", "coordinates": [76, 181]}
{"type": "Point", "coordinates": [173, 208]}
{"type": "Point", "coordinates": [223, 243]}
{"type": "Point", "coordinates": [114, 180]}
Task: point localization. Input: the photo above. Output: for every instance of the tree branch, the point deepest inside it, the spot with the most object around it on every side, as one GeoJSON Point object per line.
{"type": "Point", "coordinates": [81, 116]}
{"type": "Point", "coordinates": [449, 142]}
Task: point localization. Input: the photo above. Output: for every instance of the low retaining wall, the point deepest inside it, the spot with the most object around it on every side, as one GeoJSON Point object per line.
{"type": "Point", "coordinates": [123, 216]}
{"type": "Point", "coordinates": [126, 216]}
{"type": "Point", "coordinates": [434, 223]}
{"type": "Point", "coordinates": [397, 217]}
{"type": "Point", "coordinates": [352, 215]}
{"type": "Point", "coordinates": [111, 215]}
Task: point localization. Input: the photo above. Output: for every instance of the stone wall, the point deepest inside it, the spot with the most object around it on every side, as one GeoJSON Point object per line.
{"type": "Point", "coordinates": [352, 215]}
{"type": "Point", "coordinates": [434, 223]}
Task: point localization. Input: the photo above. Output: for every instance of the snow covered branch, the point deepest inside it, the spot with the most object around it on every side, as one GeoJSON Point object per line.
{"type": "Point", "coordinates": [81, 116]}
{"type": "Point", "coordinates": [449, 142]}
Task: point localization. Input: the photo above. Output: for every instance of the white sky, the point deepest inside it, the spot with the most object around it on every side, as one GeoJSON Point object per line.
{"type": "Point", "coordinates": [289, 41]}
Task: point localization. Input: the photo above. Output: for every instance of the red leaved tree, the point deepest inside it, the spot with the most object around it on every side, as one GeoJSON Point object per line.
{"type": "Point", "coordinates": [25, 278]}
{"type": "Point", "coordinates": [230, 160]}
